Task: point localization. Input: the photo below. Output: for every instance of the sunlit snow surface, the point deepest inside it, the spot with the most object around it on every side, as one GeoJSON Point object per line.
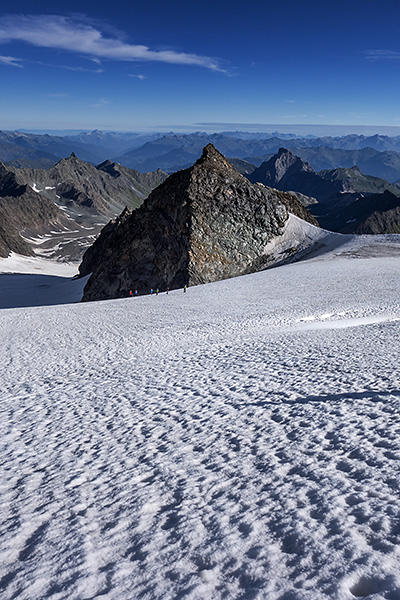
{"type": "Point", "coordinates": [241, 440]}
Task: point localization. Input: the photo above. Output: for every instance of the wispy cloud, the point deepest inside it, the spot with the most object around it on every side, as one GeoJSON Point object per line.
{"type": "Point", "coordinates": [79, 36]}
{"type": "Point", "coordinates": [382, 55]}
{"type": "Point", "coordinates": [141, 77]}
{"type": "Point", "coordinates": [66, 67]}
{"type": "Point", "coordinates": [79, 69]}
{"type": "Point", "coordinates": [293, 116]}
{"type": "Point", "coordinates": [11, 61]}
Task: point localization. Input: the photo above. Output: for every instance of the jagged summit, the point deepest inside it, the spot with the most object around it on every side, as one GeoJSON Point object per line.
{"type": "Point", "coordinates": [213, 157]}
{"type": "Point", "coordinates": [203, 224]}
{"type": "Point", "coordinates": [286, 171]}
{"type": "Point", "coordinates": [70, 161]}
{"type": "Point", "coordinates": [283, 165]}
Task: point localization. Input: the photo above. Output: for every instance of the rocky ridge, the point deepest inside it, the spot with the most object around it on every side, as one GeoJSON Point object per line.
{"type": "Point", "coordinates": [202, 224]}
{"type": "Point", "coordinates": [23, 213]}
{"type": "Point", "coordinates": [58, 212]}
{"type": "Point", "coordinates": [334, 190]}
{"type": "Point", "coordinates": [105, 189]}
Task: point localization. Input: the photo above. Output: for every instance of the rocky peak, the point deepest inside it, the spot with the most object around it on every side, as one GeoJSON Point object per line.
{"type": "Point", "coordinates": [286, 160]}
{"type": "Point", "coordinates": [212, 157]}
{"type": "Point", "coordinates": [281, 166]}
{"type": "Point", "coordinates": [71, 162]}
{"type": "Point", "coordinates": [202, 224]}
{"type": "Point", "coordinates": [356, 170]}
{"type": "Point", "coordinates": [109, 167]}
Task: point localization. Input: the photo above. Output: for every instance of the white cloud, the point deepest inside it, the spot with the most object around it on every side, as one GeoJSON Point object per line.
{"type": "Point", "coordinates": [79, 69]}
{"type": "Point", "coordinates": [66, 33]}
{"type": "Point", "coordinates": [11, 61]}
{"type": "Point", "coordinates": [382, 55]}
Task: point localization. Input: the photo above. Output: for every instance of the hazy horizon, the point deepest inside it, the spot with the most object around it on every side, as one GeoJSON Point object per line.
{"type": "Point", "coordinates": [306, 130]}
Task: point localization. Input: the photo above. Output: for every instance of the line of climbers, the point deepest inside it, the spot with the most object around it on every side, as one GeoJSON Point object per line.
{"type": "Point", "coordinates": [156, 291]}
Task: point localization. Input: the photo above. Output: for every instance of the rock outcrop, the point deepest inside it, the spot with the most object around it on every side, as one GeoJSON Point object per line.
{"type": "Point", "coordinates": [202, 224]}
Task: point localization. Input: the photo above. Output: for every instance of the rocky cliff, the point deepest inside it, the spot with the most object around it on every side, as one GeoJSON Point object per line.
{"type": "Point", "coordinates": [373, 214]}
{"type": "Point", "coordinates": [202, 224]}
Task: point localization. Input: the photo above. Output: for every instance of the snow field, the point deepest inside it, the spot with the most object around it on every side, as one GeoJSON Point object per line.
{"type": "Point", "coordinates": [35, 281]}
{"type": "Point", "coordinates": [238, 441]}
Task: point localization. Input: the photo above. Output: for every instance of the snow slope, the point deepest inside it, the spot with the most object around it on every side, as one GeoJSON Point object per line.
{"type": "Point", "coordinates": [35, 281]}
{"type": "Point", "coordinates": [239, 441]}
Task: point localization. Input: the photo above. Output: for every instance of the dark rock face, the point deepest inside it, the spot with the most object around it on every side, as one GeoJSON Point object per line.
{"type": "Point", "coordinates": [9, 185]}
{"type": "Point", "coordinates": [373, 214]}
{"type": "Point", "coordinates": [288, 172]}
{"type": "Point", "coordinates": [202, 224]}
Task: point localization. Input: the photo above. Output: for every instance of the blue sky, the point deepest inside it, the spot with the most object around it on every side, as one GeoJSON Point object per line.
{"type": "Point", "coordinates": [134, 65]}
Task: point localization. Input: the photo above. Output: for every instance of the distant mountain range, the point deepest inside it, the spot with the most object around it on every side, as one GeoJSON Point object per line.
{"type": "Point", "coordinates": [42, 151]}
{"type": "Point", "coordinates": [376, 155]}
{"type": "Point", "coordinates": [173, 152]}
{"type": "Point", "coordinates": [59, 211]}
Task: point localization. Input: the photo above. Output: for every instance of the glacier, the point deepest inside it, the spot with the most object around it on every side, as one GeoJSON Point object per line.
{"type": "Point", "coordinates": [237, 441]}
